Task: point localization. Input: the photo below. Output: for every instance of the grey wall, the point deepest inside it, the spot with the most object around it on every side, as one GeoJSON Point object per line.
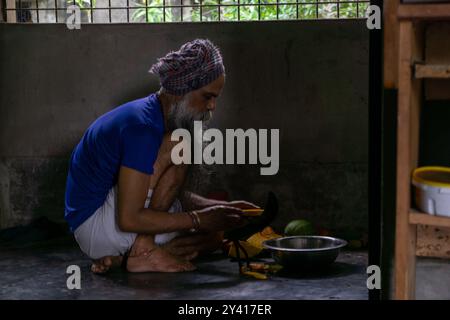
{"type": "Point", "coordinates": [307, 78]}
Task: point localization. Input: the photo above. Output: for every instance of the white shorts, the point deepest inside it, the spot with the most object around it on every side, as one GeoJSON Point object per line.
{"type": "Point", "coordinates": [100, 236]}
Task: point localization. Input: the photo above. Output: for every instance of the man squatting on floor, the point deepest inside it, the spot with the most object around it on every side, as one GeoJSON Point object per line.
{"type": "Point", "coordinates": [122, 198]}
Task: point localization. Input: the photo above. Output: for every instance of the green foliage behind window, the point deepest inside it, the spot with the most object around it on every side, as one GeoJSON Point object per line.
{"type": "Point", "coordinates": [249, 10]}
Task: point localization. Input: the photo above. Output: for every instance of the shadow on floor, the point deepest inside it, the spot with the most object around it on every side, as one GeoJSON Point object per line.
{"type": "Point", "coordinates": [337, 269]}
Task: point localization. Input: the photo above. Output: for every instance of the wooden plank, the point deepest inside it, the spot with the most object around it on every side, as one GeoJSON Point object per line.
{"type": "Point", "coordinates": [424, 11]}
{"type": "Point", "coordinates": [390, 47]}
{"type": "Point", "coordinates": [410, 50]}
{"type": "Point", "coordinates": [432, 71]}
{"type": "Point", "coordinates": [404, 287]}
{"type": "Point", "coordinates": [416, 217]}
{"type": "Point", "coordinates": [11, 16]}
{"type": "Point", "coordinates": [433, 242]}
{"type": "Point", "coordinates": [416, 96]}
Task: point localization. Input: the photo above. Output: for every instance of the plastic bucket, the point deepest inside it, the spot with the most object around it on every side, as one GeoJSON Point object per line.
{"type": "Point", "coordinates": [432, 192]}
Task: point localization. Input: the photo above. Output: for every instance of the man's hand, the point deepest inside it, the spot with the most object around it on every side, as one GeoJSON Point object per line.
{"type": "Point", "coordinates": [241, 204]}
{"type": "Point", "coordinates": [220, 218]}
{"type": "Point", "coordinates": [195, 201]}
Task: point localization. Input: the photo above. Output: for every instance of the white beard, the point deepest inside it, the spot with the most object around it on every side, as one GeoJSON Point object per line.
{"type": "Point", "coordinates": [183, 116]}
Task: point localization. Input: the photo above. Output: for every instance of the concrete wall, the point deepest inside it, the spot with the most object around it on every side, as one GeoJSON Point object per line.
{"type": "Point", "coordinates": [307, 78]}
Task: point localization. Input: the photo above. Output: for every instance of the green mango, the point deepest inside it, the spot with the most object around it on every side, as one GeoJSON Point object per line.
{"type": "Point", "coordinates": [299, 228]}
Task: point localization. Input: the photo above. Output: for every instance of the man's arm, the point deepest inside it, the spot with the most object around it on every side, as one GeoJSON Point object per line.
{"type": "Point", "coordinates": [133, 217]}
{"type": "Point", "coordinates": [193, 201]}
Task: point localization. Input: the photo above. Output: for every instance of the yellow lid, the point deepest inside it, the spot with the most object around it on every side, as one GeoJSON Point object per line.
{"type": "Point", "coordinates": [432, 176]}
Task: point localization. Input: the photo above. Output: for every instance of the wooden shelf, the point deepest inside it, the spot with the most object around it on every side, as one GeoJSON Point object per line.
{"type": "Point", "coordinates": [435, 71]}
{"type": "Point", "coordinates": [424, 11]}
{"type": "Point", "coordinates": [416, 217]}
{"type": "Point", "coordinates": [408, 49]}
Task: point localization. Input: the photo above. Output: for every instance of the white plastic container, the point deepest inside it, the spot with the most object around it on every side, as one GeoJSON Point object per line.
{"type": "Point", "coordinates": [432, 192]}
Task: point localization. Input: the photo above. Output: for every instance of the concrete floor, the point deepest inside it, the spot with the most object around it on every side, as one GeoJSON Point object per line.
{"type": "Point", "coordinates": [433, 279]}
{"type": "Point", "coordinates": [39, 272]}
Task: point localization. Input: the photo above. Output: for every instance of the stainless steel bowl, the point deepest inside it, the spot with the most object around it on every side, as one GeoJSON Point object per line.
{"type": "Point", "coordinates": [305, 252]}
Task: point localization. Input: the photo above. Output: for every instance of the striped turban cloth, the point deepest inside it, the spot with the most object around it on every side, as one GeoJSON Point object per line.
{"type": "Point", "coordinates": [196, 64]}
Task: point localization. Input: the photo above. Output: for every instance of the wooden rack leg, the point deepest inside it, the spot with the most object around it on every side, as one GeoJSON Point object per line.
{"type": "Point", "coordinates": [410, 50]}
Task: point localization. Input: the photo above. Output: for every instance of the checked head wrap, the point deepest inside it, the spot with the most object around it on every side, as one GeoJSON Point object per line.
{"type": "Point", "coordinates": [196, 64]}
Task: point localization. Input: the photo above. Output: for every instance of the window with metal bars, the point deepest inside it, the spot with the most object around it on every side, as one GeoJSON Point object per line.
{"type": "Point", "coordinates": [159, 11]}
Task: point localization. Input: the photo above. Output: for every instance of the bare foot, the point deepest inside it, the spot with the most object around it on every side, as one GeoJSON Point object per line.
{"type": "Point", "coordinates": [102, 265]}
{"type": "Point", "coordinates": [158, 260]}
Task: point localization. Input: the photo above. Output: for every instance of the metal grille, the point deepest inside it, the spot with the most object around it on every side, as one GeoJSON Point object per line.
{"type": "Point", "coordinates": [160, 11]}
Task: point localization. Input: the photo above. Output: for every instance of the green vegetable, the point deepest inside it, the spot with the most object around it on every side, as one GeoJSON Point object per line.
{"type": "Point", "coordinates": [299, 228]}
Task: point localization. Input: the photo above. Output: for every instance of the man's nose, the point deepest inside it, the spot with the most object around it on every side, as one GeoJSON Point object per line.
{"type": "Point", "coordinates": [212, 105]}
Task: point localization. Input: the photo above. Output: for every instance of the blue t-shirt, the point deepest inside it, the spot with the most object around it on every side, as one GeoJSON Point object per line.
{"type": "Point", "coordinates": [129, 136]}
